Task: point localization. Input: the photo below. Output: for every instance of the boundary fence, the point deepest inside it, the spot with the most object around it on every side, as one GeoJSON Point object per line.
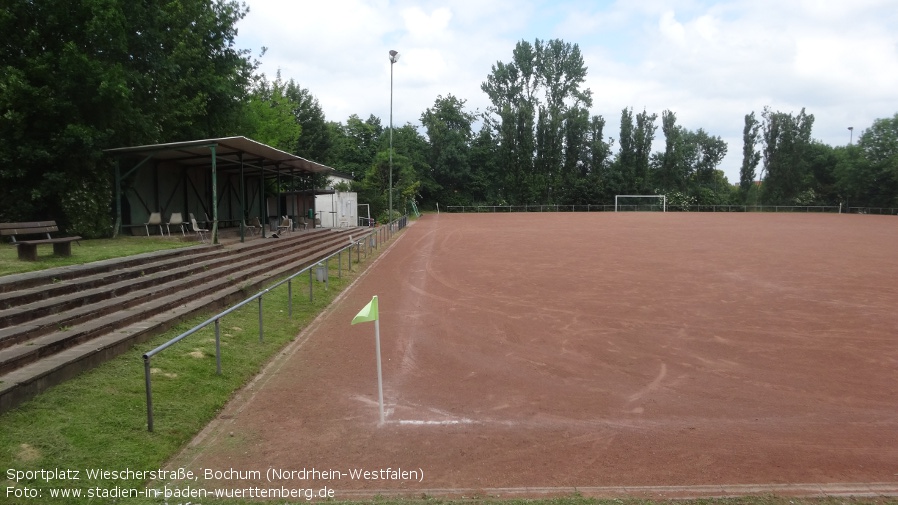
{"type": "Point", "coordinates": [832, 209]}
{"type": "Point", "coordinates": [321, 269]}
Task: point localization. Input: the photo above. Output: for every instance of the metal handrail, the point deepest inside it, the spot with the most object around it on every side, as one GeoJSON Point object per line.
{"type": "Point", "coordinates": [357, 243]}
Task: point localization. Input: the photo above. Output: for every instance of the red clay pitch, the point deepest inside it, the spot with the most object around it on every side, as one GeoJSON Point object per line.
{"type": "Point", "coordinates": [532, 353]}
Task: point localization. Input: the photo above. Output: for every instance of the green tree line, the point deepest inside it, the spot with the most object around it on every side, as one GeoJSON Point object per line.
{"type": "Point", "coordinates": [77, 77]}
{"type": "Point", "coordinates": [539, 144]}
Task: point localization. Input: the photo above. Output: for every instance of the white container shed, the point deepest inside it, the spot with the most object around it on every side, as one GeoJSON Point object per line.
{"type": "Point", "coordinates": [338, 210]}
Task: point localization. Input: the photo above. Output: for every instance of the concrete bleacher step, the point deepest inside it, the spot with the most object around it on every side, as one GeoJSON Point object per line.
{"type": "Point", "coordinates": [74, 325]}
{"type": "Point", "coordinates": [19, 283]}
{"type": "Point", "coordinates": [53, 347]}
{"type": "Point", "coordinates": [20, 289]}
{"type": "Point", "coordinates": [135, 279]}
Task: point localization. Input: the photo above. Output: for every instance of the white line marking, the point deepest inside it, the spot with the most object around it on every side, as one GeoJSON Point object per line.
{"type": "Point", "coordinates": [440, 423]}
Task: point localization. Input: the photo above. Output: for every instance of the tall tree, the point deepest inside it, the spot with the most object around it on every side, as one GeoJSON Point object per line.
{"type": "Point", "coordinates": [485, 187]}
{"type": "Point", "coordinates": [354, 145]}
{"type": "Point", "coordinates": [79, 77]}
{"type": "Point", "coordinates": [410, 151]}
{"type": "Point", "coordinates": [598, 159]}
{"type": "Point", "coordinates": [410, 143]}
{"type": "Point", "coordinates": [687, 169]}
{"type": "Point", "coordinates": [822, 161]}
{"type": "Point", "coordinates": [561, 72]}
{"type": "Point", "coordinates": [854, 180]}
{"type": "Point", "coordinates": [315, 140]}
{"type": "Point", "coordinates": [448, 128]}
{"type": "Point", "coordinates": [574, 185]}
{"type": "Point", "coordinates": [750, 155]}
{"type": "Point", "coordinates": [868, 172]}
{"type": "Point", "coordinates": [643, 136]}
{"type": "Point", "coordinates": [599, 149]}
{"type": "Point", "coordinates": [270, 115]}
{"type": "Point", "coordinates": [511, 88]}
{"type": "Point", "coordinates": [711, 151]}
{"type": "Point", "coordinates": [710, 187]}
{"type": "Point", "coordinates": [531, 97]}
{"type": "Point", "coordinates": [632, 164]}
{"type": "Point", "coordinates": [671, 172]}
{"type": "Point", "coordinates": [786, 142]}
{"type": "Point", "coordinates": [622, 174]}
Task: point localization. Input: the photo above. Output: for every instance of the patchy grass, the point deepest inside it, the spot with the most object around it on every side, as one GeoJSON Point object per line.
{"type": "Point", "coordinates": [88, 251]}
{"type": "Point", "coordinates": [98, 420]}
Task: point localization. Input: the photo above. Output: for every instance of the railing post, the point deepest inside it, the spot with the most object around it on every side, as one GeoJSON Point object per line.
{"type": "Point", "coordinates": [327, 273]}
{"type": "Point", "coordinates": [310, 284]}
{"type": "Point", "coordinates": [260, 318]}
{"type": "Point", "coordinates": [290, 297]}
{"type": "Point", "coordinates": [217, 347]}
{"type": "Point", "coordinates": [146, 373]}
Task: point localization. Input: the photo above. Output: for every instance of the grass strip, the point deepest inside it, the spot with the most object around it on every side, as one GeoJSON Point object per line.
{"type": "Point", "coordinates": [98, 419]}
{"type": "Point", "coordinates": [88, 251]}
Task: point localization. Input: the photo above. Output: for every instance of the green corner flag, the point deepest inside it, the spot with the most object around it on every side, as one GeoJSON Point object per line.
{"type": "Point", "coordinates": [368, 312]}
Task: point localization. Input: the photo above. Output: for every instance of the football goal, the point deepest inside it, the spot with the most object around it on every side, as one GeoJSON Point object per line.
{"type": "Point", "coordinates": [640, 203]}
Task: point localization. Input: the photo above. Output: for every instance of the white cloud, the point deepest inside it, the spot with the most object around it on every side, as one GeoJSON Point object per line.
{"type": "Point", "coordinates": [710, 61]}
{"type": "Point", "coordinates": [421, 25]}
{"type": "Point", "coordinates": [671, 29]}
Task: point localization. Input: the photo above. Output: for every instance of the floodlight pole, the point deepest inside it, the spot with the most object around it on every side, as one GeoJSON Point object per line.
{"type": "Point", "coordinates": [393, 57]}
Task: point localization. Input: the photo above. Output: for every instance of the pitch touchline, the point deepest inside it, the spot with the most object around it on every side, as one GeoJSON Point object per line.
{"type": "Point", "coordinates": [446, 422]}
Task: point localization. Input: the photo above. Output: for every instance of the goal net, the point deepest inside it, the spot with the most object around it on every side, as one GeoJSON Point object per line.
{"type": "Point", "coordinates": [646, 203]}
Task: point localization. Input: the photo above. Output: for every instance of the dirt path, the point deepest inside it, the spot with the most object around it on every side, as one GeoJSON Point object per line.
{"type": "Point", "coordinates": [598, 351]}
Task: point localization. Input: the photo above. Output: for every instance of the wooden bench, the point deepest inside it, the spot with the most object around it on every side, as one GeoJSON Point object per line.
{"type": "Point", "coordinates": [28, 248]}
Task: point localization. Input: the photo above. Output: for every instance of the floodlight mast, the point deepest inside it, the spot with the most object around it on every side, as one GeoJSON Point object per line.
{"type": "Point", "coordinates": [394, 57]}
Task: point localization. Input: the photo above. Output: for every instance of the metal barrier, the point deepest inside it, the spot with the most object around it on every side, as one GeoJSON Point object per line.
{"type": "Point", "coordinates": [834, 209]}
{"type": "Point", "coordinates": [890, 211]}
{"type": "Point", "coordinates": [398, 224]}
{"type": "Point", "coordinates": [369, 240]}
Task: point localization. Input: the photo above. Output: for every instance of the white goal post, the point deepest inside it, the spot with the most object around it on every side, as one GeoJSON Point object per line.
{"type": "Point", "coordinates": [662, 197]}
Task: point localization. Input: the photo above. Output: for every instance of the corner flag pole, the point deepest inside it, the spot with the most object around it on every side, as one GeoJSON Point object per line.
{"type": "Point", "coordinates": [380, 381]}
{"type": "Point", "coordinates": [369, 313]}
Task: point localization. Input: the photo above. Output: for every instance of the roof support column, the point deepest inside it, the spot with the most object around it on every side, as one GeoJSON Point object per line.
{"type": "Point", "coordinates": [157, 207]}
{"type": "Point", "coordinates": [263, 204]}
{"type": "Point", "coordinates": [185, 197]}
{"type": "Point", "coordinates": [214, 198]}
{"type": "Point", "coordinates": [293, 198]}
{"type": "Point", "coordinates": [278, 204]}
{"type": "Point", "coordinates": [242, 203]}
{"type": "Point", "coordinates": [117, 228]}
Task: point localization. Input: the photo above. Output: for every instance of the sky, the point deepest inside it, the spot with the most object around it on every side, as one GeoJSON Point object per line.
{"type": "Point", "coordinates": [710, 62]}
